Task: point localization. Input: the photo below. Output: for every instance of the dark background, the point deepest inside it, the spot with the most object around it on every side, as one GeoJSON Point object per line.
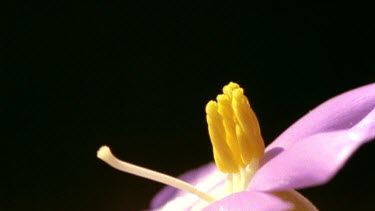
{"type": "Point", "coordinates": [136, 77]}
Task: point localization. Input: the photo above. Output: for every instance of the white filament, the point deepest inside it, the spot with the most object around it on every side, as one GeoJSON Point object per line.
{"type": "Point", "coordinates": [105, 154]}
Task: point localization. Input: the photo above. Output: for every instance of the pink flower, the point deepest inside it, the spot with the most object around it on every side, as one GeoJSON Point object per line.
{"type": "Point", "coordinates": [248, 176]}
{"type": "Point", "coordinates": [309, 153]}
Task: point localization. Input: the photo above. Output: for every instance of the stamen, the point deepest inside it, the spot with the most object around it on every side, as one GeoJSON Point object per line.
{"type": "Point", "coordinates": [234, 130]}
{"type": "Point", "coordinates": [229, 184]}
{"type": "Point", "coordinates": [222, 154]}
{"type": "Point", "coordinates": [243, 181]}
{"type": "Point", "coordinates": [235, 136]}
{"type": "Point", "coordinates": [105, 154]}
{"type": "Point", "coordinates": [251, 143]}
{"type": "Point", "coordinates": [237, 182]}
{"type": "Point", "coordinates": [225, 110]}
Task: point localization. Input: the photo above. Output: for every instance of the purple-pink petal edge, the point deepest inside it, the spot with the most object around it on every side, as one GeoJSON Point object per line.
{"type": "Point", "coordinates": [317, 146]}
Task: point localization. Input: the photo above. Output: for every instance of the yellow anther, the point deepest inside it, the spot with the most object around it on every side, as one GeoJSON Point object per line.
{"type": "Point", "coordinates": [248, 130]}
{"type": "Point", "coordinates": [228, 89]}
{"type": "Point", "coordinates": [234, 130]}
{"type": "Point", "coordinates": [227, 114]}
{"type": "Point", "coordinates": [222, 153]}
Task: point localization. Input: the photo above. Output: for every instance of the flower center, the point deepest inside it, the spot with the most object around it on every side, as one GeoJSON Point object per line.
{"type": "Point", "coordinates": [235, 136]}
{"type": "Point", "coordinates": [236, 140]}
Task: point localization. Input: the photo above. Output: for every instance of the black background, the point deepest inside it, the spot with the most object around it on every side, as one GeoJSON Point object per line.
{"type": "Point", "coordinates": [136, 77]}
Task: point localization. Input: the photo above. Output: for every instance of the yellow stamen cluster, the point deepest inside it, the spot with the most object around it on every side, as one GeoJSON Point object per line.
{"type": "Point", "coordinates": [234, 130]}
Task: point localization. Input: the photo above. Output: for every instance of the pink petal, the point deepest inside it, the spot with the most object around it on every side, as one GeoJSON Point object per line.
{"type": "Point", "coordinates": [340, 112]}
{"type": "Point", "coordinates": [314, 160]}
{"type": "Point", "coordinates": [249, 200]}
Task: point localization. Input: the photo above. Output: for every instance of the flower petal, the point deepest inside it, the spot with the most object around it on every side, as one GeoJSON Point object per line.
{"type": "Point", "coordinates": [249, 200]}
{"type": "Point", "coordinates": [315, 159]}
{"type": "Point", "coordinates": [298, 200]}
{"type": "Point", "coordinates": [340, 112]}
